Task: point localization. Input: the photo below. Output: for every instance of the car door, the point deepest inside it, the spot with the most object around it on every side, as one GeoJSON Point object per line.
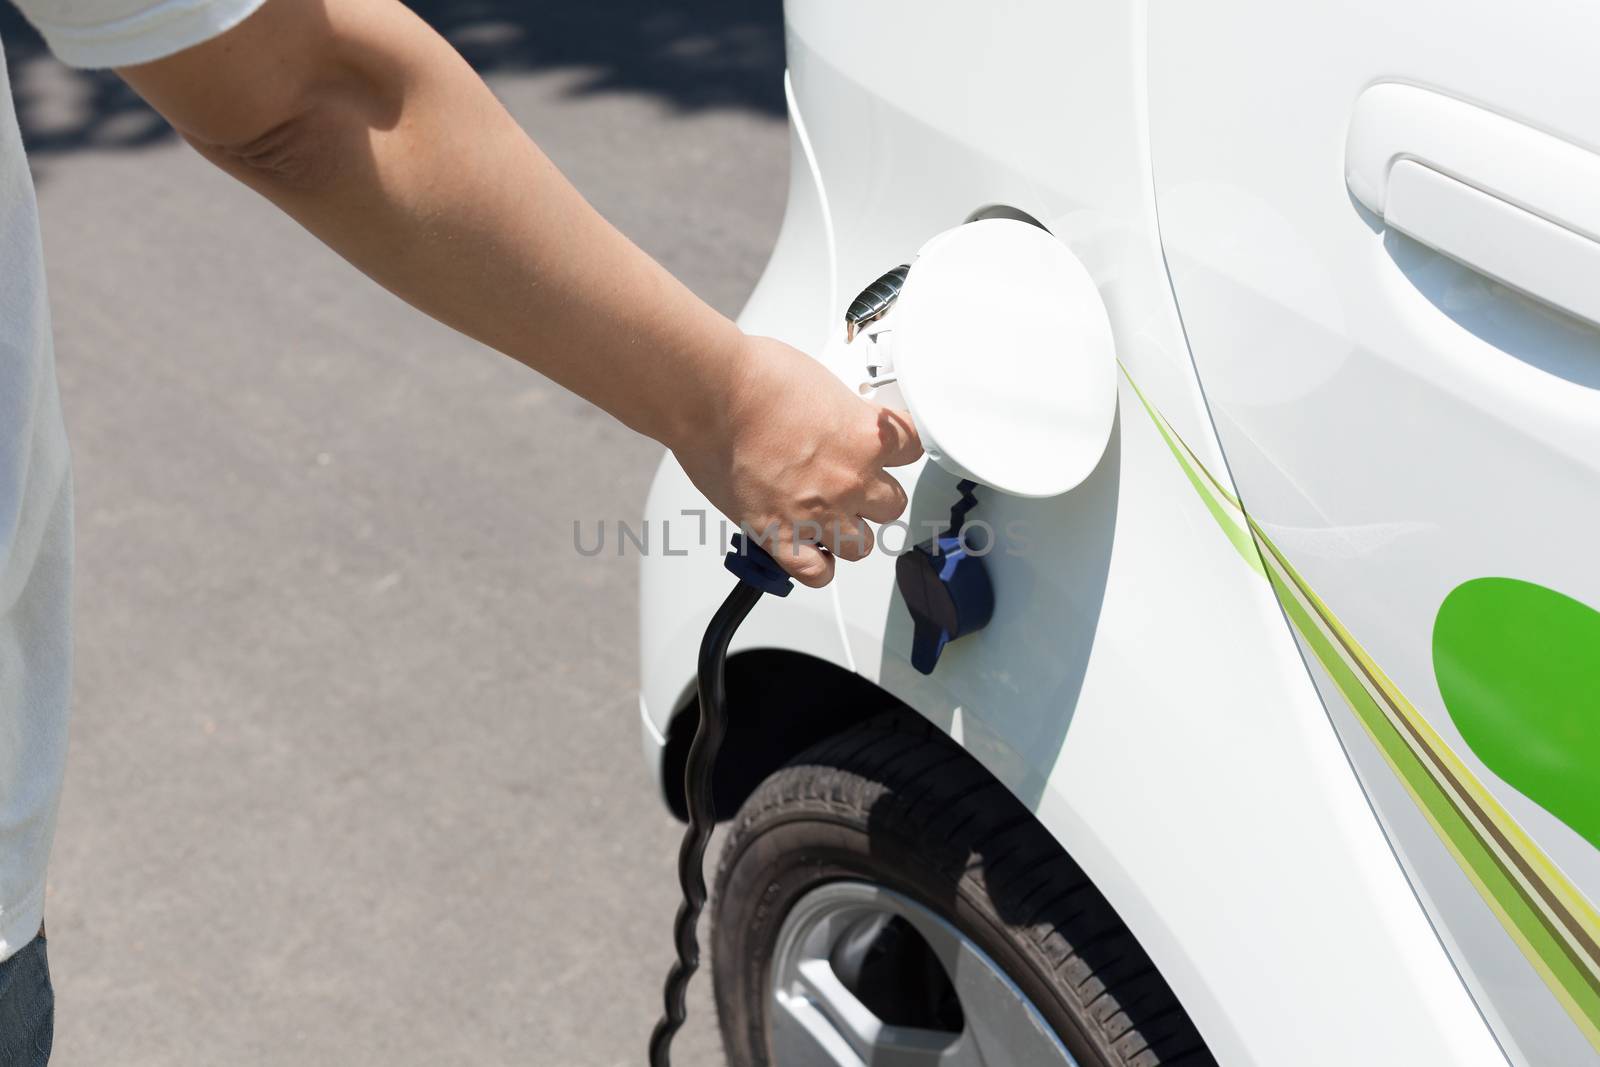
{"type": "Point", "coordinates": [1382, 224]}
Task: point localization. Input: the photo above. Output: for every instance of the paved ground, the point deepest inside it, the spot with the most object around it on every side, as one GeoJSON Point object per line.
{"type": "Point", "coordinates": [355, 773]}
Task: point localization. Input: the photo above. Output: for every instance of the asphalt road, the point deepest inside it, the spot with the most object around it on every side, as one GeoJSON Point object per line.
{"type": "Point", "coordinates": [355, 772]}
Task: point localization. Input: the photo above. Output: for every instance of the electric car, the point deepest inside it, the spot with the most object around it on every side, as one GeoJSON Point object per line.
{"type": "Point", "coordinates": [1282, 744]}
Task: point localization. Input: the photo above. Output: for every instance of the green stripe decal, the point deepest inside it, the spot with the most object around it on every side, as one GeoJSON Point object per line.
{"type": "Point", "coordinates": [1555, 926]}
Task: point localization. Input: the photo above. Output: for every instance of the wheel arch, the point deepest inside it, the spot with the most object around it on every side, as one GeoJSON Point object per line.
{"type": "Point", "coordinates": [780, 703]}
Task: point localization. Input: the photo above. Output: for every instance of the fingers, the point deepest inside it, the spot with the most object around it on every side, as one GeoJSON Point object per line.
{"type": "Point", "coordinates": [898, 443]}
{"type": "Point", "coordinates": [847, 538]}
{"type": "Point", "coordinates": [850, 539]}
{"type": "Point", "coordinates": [806, 564]}
{"type": "Point", "coordinates": [884, 499]}
{"type": "Point", "coordinates": [809, 550]}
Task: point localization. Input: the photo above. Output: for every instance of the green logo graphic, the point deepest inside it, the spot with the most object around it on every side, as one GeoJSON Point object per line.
{"type": "Point", "coordinates": [1518, 666]}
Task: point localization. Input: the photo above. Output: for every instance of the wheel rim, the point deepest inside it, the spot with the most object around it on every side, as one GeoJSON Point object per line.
{"type": "Point", "coordinates": [819, 1020]}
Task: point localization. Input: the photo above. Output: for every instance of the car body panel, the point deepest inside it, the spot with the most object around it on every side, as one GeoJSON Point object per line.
{"type": "Point", "coordinates": [1407, 433]}
{"type": "Point", "coordinates": [1139, 688]}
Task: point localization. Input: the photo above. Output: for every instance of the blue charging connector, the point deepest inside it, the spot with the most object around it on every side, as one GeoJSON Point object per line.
{"type": "Point", "coordinates": [754, 566]}
{"type": "Point", "coordinates": [946, 586]}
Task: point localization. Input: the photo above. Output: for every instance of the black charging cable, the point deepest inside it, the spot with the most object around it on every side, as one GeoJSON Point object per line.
{"type": "Point", "coordinates": [758, 573]}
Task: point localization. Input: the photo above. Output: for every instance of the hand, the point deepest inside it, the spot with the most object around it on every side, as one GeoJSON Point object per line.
{"type": "Point", "coordinates": [799, 460]}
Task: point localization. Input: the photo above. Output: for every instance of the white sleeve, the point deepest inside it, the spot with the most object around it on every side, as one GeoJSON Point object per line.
{"type": "Point", "coordinates": [117, 33]}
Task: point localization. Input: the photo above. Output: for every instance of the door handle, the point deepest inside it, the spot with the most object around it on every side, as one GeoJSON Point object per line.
{"type": "Point", "coordinates": [1509, 201]}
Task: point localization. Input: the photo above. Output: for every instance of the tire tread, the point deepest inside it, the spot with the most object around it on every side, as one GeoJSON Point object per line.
{"type": "Point", "coordinates": [902, 776]}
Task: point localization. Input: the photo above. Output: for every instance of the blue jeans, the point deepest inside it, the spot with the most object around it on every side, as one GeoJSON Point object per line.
{"type": "Point", "coordinates": [27, 1008]}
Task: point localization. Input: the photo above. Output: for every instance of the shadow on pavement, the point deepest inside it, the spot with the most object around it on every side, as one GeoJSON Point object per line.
{"type": "Point", "coordinates": [692, 54]}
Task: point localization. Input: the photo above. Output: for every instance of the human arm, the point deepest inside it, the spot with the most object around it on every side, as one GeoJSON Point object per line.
{"type": "Point", "coordinates": [360, 122]}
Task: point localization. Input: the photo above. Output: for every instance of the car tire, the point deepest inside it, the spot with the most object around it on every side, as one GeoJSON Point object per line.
{"type": "Point", "coordinates": [895, 806]}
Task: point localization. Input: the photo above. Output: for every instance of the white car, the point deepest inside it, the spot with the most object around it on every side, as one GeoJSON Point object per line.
{"type": "Point", "coordinates": [1282, 746]}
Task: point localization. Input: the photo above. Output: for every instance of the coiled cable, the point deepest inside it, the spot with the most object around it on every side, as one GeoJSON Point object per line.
{"type": "Point", "coordinates": [757, 573]}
